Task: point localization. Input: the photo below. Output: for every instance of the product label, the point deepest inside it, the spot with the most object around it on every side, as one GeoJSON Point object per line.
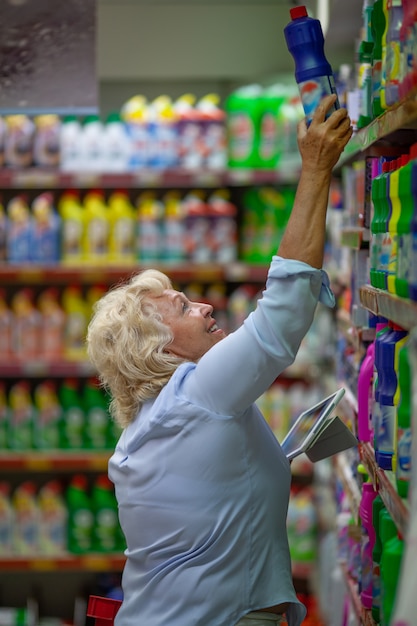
{"type": "Point", "coordinates": [404, 256]}
{"type": "Point", "coordinates": [313, 91]}
{"type": "Point", "coordinates": [241, 136]}
{"type": "Point", "coordinates": [386, 429]}
{"type": "Point", "coordinates": [268, 137]}
{"type": "Point", "coordinates": [404, 454]}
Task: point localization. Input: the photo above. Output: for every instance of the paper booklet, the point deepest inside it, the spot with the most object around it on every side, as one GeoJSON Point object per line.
{"type": "Point", "coordinates": [317, 433]}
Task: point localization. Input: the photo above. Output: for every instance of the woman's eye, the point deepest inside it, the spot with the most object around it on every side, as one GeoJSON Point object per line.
{"type": "Point", "coordinates": [185, 307]}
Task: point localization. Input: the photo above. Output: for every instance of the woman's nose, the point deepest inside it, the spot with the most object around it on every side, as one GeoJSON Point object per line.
{"type": "Point", "coordinates": [206, 309]}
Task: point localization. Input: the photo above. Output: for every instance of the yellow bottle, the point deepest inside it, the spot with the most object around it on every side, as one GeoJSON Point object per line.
{"type": "Point", "coordinates": [122, 229]}
{"type": "Point", "coordinates": [97, 228]}
{"type": "Point", "coordinates": [71, 212]}
{"type": "Point", "coordinates": [76, 314]}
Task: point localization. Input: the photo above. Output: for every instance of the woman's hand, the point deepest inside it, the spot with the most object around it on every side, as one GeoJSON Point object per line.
{"type": "Point", "coordinates": [322, 143]}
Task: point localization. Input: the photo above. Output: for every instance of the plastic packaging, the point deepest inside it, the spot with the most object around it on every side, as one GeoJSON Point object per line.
{"type": "Point", "coordinates": [80, 516]}
{"type": "Point", "coordinates": [365, 382]}
{"type": "Point", "coordinates": [97, 228]}
{"type": "Point", "coordinates": [377, 27]}
{"type": "Point", "coordinates": [107, 536]}
{"type": "Point", "coordinates": [52, 324]}
{"type": "Point", "coordinates": [46, 143]}
{"type": "Point", "coordinates": [97, 418]}
{"type": "Point", "coordinates": [70, 144]}
{"type": "Point", "coordinates": [72, 217]}
{"type": "Point", "coordinates": [116, 145]}
{"type": "Point", "coordinates": [368, 540]}
{"type": "Point", "coordinates": [407, 200]}
{"type": "Point", "coordinates": [313, 73]}
{"type": "Point", "coordinates": [122, 222]}
{"type": "Point", "coordinates": [47, 426]}
{"type": "Point", "coordinates": [91, 145]}
{"type": "Point", "coordinates": [19, 230]}
{"type": "Point", "coordinates": [53, 519]}
{"type": "Point", "coordinates": [404, 430]}
{"type": "Point", "coordinates": [393, 52]}
{"type": "Point", "coordinates": [6, 520]}
{"type": "Point", "coordinates": [391, 558]}
{"type": "Point", "coordinates": [242, 122]}
{"type": "Point", "coordinates": [377, 506]}
{"type": "Point", "coordinates": [45, 231]}
{"type": "Point", "coordinates": [75, 309]}
{"type": "Point", "coordinates": [412, 287]}
{"type": "Point", "coordinates": [392, 223]}
{"type": "Point", "coordinates": [26, 519]}
{"type": "Point", "coordinates": [27, 325]}
{"type": "Point", "coordinates": [22, 416]}
{"type": "Point", "coordinates": [72, 423]}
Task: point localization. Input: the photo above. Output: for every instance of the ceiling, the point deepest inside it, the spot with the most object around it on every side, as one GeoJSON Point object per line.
{"type": "Point", "coordinates": [235, 40]}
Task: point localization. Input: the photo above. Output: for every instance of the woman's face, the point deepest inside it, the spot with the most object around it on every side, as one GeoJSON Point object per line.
{"type": "Point", "coordinates": [194, 329]}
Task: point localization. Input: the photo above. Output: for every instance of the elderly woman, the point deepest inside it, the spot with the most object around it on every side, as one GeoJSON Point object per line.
{"type": "Point", "coordinates": [202, 483]}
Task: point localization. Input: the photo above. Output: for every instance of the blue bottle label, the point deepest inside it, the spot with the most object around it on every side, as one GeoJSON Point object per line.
{"type": "Point", "coordinates": [312, 91]}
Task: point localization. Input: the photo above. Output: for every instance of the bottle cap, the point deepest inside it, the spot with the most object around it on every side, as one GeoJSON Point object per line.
{"type": "Point", "coordinates": [298, 12]}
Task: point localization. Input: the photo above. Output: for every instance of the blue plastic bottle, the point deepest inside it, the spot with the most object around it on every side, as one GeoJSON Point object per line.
{"type": "Point", "coordinates": [313, 73]}
{"type": "Point", "coordinates": [386, 359]}
{"type": "Point", "coordinates": [412, 287]}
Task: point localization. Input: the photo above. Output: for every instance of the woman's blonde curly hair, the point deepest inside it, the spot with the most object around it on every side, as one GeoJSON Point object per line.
{"type": "Point", "coordinates": [126, 342]}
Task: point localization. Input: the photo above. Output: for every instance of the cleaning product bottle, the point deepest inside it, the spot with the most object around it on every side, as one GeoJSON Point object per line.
{"type": "Point", "coordinates": [173, 228]}
{"type": "Point", "coordinates": [122, 219]}
{"type": "Point", "coordinates": [213, 135]}
{"type": "Point", "coordinates": [377, 506]}
{"type": "Point", "coordinates": [385, 200]}
{"type": "Point", "coordinates": [412, 287]}
{"type": "Point", "coordinates": [271, 100]}
{"type": "Point", "coordinates": [72, 217]}
{"type": "Point", "coordinates": [46, 141]}
{"type": "Point", "coordinates": [386, 362]}
{"type": "Point", "coordinates": [224, 226]}
{"type": "Point", "coordinates": [19, 230]}
{"type": "Point", "coordinates": [377, 27]}
{"type": "Point", "coordinates": [6, 520]}
{"type": "Point", "coordinates": [313, 73]}
{"type": "Point", "coordinates": [150, 211]}
{"type": "Point", "coordinates": [402, 273]}
{"type": "Point", "coordinates": [27, 325]}
{"type": "Point", "coordinates": [116, 145]}
{"type": "Point", "coordinates": [6, 327]}
{"type": "Point", "coordinates": [242, 124]}
{"type": "Point", "coordinates": [4, 417]}
{"type": "Point", "coordinates": [70, 144]}
{"type": "Point", "coordinates": [107, 536]}
{"type": "Point", "coordinates": [25, 519]}
{"type": "Point", "coordinates": [80, 516]}
{"type": "Point", "coordinates": [97, 228]}
{"type": "Point", "coordinates": [45, 231]}
{"type": "Point", "coordinates": [384, 55]}
{"type": "Point", "coordinates": [47, 427]}
{"type": "Point", "coordinates": [392, 222]}
{"type": "Point", "coordinates": [91, 145]}
{"type": "Point", "coordinates": [365, 83]}
{"type": "Point", "coordinates": [189, 132]}
{"type": "Point", "coordinates": [22, 416]}
{"type": "Point", "coordinates": [53, 519]}
{"type": "Point", "coordinates": [97, 418]}
{"type": "Point", "coordinates": [380, 329]}
{"type": "Point", "coordinates": [134, 113]}
{"type": "Point", "coordinates": [72, 422]}
{"type": "Point", "coordinates": [52, 324]}
{"type": "Point", "coordinates": [391, 557]}
{"type": "Point", "coordinates": [404, 433]}
{"type": "Point", "coordinates": [365, 384]}
{"type": "Point", "coordinates": [162, 133]}
{"type": "Point", "coordinates": [393, 52]}
{"type": "Point", "coordinates": [75, 310]}
{"type": "Point", "coordinates": [377, 225]}
{"type": "Point", "coordinates": [368, 540]}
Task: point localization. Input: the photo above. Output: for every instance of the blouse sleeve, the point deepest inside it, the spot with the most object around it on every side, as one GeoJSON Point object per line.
{"type": "Point", "coordinates": [236, 371]}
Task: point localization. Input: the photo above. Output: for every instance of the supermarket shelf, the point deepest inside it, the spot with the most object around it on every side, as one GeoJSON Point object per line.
{"type": "Point", "coordinates": [400, 310]}
{"type": "Point", "coordinates": [363, 615]}
{"type": "Point", "coordinates": [384, 482]}
{"type": "Point", "coordinates": [33, 368]}
{"type": "Point", "coordinates": [397, 124]}
{"type": "Point", "coordinates": [39, 178]}
{"type": "Point", "coordinates": [87, 274]}
{"type": "Point", "coordinates": [67, 563]}
{"type": "Point", "coordinates": [58, 460]}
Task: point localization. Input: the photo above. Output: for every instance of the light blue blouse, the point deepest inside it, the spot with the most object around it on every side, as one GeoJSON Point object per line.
{"type": "Point", "coordinates": [201, 481]}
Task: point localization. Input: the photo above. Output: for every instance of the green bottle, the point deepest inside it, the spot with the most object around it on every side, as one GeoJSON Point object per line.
{"type": "Point", "coordinates": [404, 224]}
{"type": "Point", "coordinates": [107, 536]}
{"type": "Point", "coordinates": [97, 417]}
{"type": "Point", "coordinates": [377, 506]}
{"type": "Point", "coordinates": [80, 516]}
{"type": "Point", "coordinates": [378, 28]}
{"type": "Point", "coordinates": [72, 422]}
{"type": "Point", "coordinates": [404, 450]}
{"type": "Point", "coordinates": [388, 531]}
{"type": "Point", "coordinates": [392, 553]}
{"type": "Point", "coordinates": [377, 228]}
{"type": "Point", "coordinates": [47, 427]}
{"type": "Point", "coordinates": [243, 111]}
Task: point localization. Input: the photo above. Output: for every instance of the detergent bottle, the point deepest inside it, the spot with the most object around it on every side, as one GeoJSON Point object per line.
{"type": "Point", "coordinates": [189, 132]}
{"type": "Point", "coordinates": [116, 145]}
{"type": "Point", "coordinates": [384, 55]}
{"type": "Point", "coordinates": [22, 416]}
{"type": "Point", "coordinates": [72, 217]}
{"type": "Point", "coordinates": [91, 145]}
{"type": "Point", "coordinates": [72, 422]}
{"type": "Point", "coordinates": [122, 221]}
{"type": "Point", "coordinates": [412, 286]}
{"type": "Point", "coordinates": [150, 211]}
{"type": "Point", "coordinates": [377, 27]}
{"type": "Point", "coordinates": [27, 325]}
{"type": "Point", "coordinates": [377, 506]}
{"type": "Point", "coordinates": [243, 107]}
{"type": "Point", "coordinates": [107, 536]}
{"type": "Point", "coordinates": [407, 199]}
{"type": "Point", "coordinates": [393, 52]}
{"type": "Point", "coordinates": [4, 417]}
{"type": "Point", "coordinates": [53, 519]}
{"type": "Point", "coordinates": [6, 520]}
{"type": "Point", "coordinates": [368, 541]}
{"type": "Point", "coordinates": [19, 230]}
{"type": "Point", "coordinates": [135, 113]}
{"type": "Point", "coordinates": [97, 228]}
{"type": "Point", "coordinates": [404, 432]}
{"type": "Point", "coordinates": [70, 144]}
{"type": "Point", "coordinates": [47, 427]}
{"type": "Point", "coordinates": [46, 141]}
{"type": "Point", "coordinates": [97, 417]}
{"type": "Point", "coordinates": [313, 73]}
{"type": "Point", "coordinates": [75, 309]}
{"type": "Point", "coordinates": [6, 327]}
{"type": "Point", "coordinates": [80, 516]}
{"type": "Point", "coordinates": [392, 222]}
{"type": "Point", "coordinates": [173, 228]}
{"type": "Point", "coordinates": [26, 519]}
{"type": "Point", "coordinates": [213, 136]}
{"type": "Point", "coordinates": [52, 324]}
{"type": "Point", "coordinates": [162, 133]}
{"type": "Point", "coordinates": [45, 231]}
